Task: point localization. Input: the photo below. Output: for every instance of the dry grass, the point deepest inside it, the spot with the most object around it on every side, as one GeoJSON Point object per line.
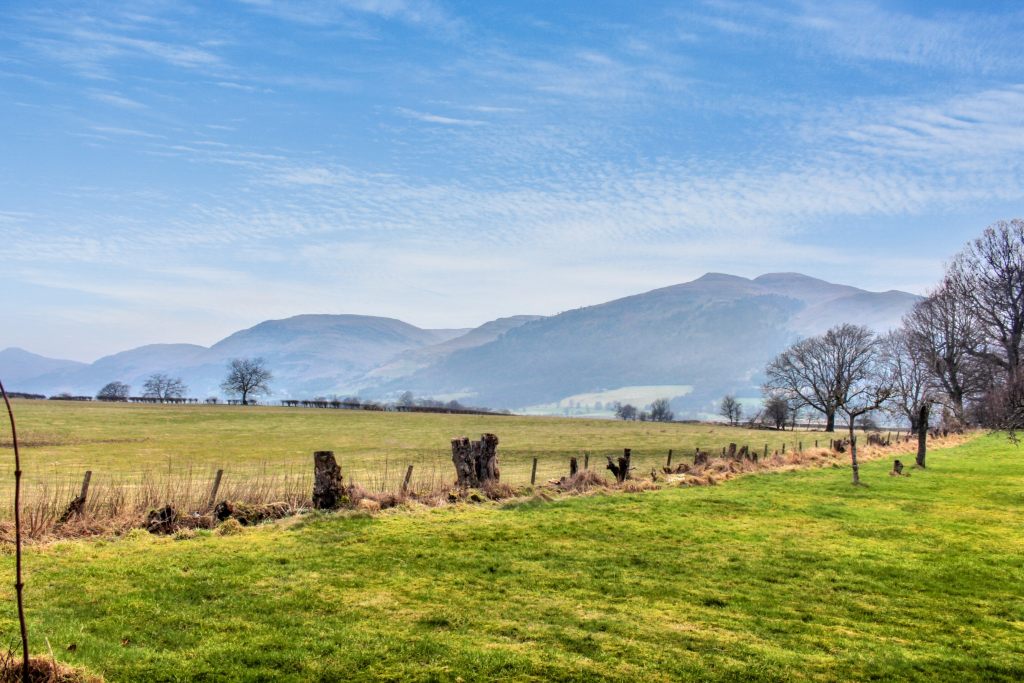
{"type": "Point", "coordinates": [121, 497]}
{"type": "Point", "coordinates": [41, 669]}
{"type": "Point", "coordinates": [722, 469]}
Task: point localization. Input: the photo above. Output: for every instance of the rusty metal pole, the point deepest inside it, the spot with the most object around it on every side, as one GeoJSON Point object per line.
{"type": "Point", "coordinates": [19, 585]}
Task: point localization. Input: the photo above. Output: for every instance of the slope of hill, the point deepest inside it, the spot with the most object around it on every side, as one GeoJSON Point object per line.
{"type": "Point", "coordinates": [18, 365]}
{"type": "Point", "coordinates": [715, 333]}
{"type": "Point", "coordinates": [412, 360]}
{"type": "Point", "coordinates": [308, 354]}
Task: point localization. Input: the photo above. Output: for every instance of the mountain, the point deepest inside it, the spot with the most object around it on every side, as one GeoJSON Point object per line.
{"type": "Point", "coordinates": [409, 361]}
{"type": "Point", "coordinates": [308, 354]}
{"type": "Point", "coordinates": [18, 365]}
{"type": "Point", "coordinates": [715, 334]}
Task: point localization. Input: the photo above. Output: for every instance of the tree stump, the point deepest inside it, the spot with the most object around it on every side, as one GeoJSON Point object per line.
{"type": "Point", "coordinates": [326, 480]}
{"type": "Point", "coordinates": [897, 468]}
{"type": "Point", "coordinates": [465, 465]}
{"type": "Point", "coordinates": [161, 521]}
{"type": "Point", "coordinates": [620, 470]}
{"type": "Point", "coordinates": [732, 451]}
{"type": "Point", "coordinates": [573, 467]}
{"type": "Point", "coordinates": [700, 458]}
{"type": "Point", "coordinates": [487, 463]}
{"type": "Point", "coordinates": [475, 462]}
{"type": "Point", "coordinates": [743, 453]}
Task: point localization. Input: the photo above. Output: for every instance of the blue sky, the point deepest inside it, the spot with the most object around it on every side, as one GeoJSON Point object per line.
{"type": "Point", "coordinates": [173, 172]}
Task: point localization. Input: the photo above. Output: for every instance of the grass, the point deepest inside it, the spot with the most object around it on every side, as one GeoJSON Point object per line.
{"type": "Point", "coordinates": [774, 577]}
{"type": "Point", "coordinates": [64, 439]}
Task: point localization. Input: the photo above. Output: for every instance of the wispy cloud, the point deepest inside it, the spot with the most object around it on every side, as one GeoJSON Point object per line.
{"type": "Point", "coordinates": [432, 118]}
{"type": "Point", "coordinates": [115, 99]}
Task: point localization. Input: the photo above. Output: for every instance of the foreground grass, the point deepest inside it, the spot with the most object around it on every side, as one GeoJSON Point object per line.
{"type": "Point", "coordinates": [66, 438]}
{"type": "Point", "coordinates": [773, 577]}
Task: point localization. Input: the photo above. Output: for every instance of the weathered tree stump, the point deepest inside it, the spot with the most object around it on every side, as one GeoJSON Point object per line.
{"type": "Point", "coordinates": [326, 480]}
{"type": "Point", "coordinates": [700, 458]}
{"type": "Point", "coordinates": [476, 462]}
{"type": "Point", "coordinates": [897, 468]}
{"type": "Point", "coordinates": [465, 465]}
{"type": "Point", "coordinates": [161, 521]}
{"type": "Point", "coordinates": [732, 451]}
{"type": "Point", "coordinates": [487, 464]}
{"type": "Point", "coordinates": [743, 453]}
{"type": "Point", "coordinates": [620, 470]}
{"type": "Point", "coordinates": [573, 467]}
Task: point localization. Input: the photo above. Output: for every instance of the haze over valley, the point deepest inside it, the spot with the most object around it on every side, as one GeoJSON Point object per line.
{"type": "Point", "coordinates": [712, 335]}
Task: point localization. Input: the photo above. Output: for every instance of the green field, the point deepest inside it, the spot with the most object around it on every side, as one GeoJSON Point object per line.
{"type": "Point", "coordinates": [64, 439]}
{"type": "Point", "coordinates": [770, 577]}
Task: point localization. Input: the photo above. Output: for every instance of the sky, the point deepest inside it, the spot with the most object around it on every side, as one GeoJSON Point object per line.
{"type": "Point", "coordinates": [175, 172]}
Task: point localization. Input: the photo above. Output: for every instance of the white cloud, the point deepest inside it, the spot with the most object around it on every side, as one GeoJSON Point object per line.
{"type": "Point", "coordinates": [431, 118]}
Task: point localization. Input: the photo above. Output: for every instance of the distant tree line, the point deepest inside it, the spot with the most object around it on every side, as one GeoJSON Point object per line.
{"type": "Point", "coordinates": [660, 411]}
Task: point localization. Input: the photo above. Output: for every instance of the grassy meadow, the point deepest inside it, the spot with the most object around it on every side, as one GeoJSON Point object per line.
{"type": "Point", "coordinates": [62, 439]}
{"type": "Point", "coordinates": [781, 576]}
{"type": "Point", "coordinates": [786, 576]}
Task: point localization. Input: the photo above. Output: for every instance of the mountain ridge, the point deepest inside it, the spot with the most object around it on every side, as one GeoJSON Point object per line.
{"type": "Point", "coordinates": [714, 333]}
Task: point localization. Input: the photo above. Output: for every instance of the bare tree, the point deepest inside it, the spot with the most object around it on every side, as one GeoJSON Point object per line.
{"type": "Point", "coordinates": [114, 391]}
{"type": "Point", "coordinates": [731, 409]}
{"type": "Point", "coordinates": [776, 411]}
{"type": "Point", "coordinates": [406, 399]}
{"type": "Point", "coordinates": [911, 380]}
{"type": "Point", "coordinates": [164, 387]}
{"type": "Point", "coordinates": [989, 276]}
{"type": "Point", "coordinates": [868, 388]}
{"type": "Point", "coordinates": [661, 410]}
{"type": "Point", "coordinates": [819, 372]}
{"type": "Point", "coordinates": [625, 412]}
{"type": "Point", "coordinates": [944, 336]}
{"type": "Point", "coordinates": [247, 377]}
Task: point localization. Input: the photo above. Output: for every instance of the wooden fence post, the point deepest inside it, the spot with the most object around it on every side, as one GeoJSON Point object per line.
{"type": "Point", "coordinates": [801, 446]}
{"type": "Point", "coordinates": [574, 468]}
{"type": "Point", "coordinates": [533, 474]}
{"type": "Point", "coordinates": [408, 477]}
{"type": "Point", "coordinates": [85, 485]}
{"type": "Point", "coordinates": [669, 463]}
{"type": "Point", "coordinates": [216, 487]}
{"type": "Point", "coordinates": [586, 460]}
{"type": "Point", "coordinates": [77, 506]}
{"type": "Point", "coordinates": [766, 450]}
{"type": "Point", "coordinates": [783, 447]}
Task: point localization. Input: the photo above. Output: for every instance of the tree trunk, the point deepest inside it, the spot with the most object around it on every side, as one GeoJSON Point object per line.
{"type": "Point", "coordinates": [922, 435]}
{"type": "Point", "coordinates": [830, 422]}
{"type": "Point", "coordinates": [573, 467]}
{"type": "Point", "coordinates": [853, 454]}
{"type": "Point", "coordinates": [465, 465]}
{"type": "Point", "coordinates": [475, 463]}
{"type": "Point", "coordinates": [487, 466]}
{"type": "Point", "coordinates": [620, 470]}
{"type": "Point", "coordinates": [326, 480]}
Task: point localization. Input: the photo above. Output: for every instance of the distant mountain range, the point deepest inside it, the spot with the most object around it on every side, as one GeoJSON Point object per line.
{"type": "Point", "coordinates": [714, 334]}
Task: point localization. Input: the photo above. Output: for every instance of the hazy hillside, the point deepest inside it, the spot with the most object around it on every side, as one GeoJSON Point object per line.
{"type": "Point", "coordinates": [18, 365]}
{"type": "Point", "coordinates": [715, 333]}
{"type": "Point", "coordinates": [412, 360]}
{"type": "Point", "coordinates": [307, 353]}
